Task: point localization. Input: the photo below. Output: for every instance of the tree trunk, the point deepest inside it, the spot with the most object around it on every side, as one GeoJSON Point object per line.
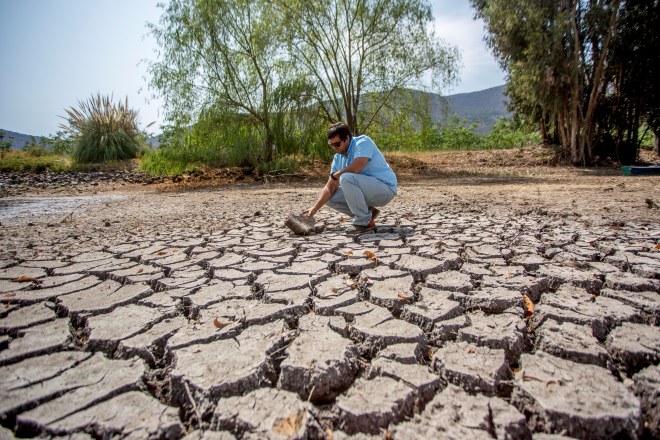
{"type": "Point", "coordinates": [656, 141]}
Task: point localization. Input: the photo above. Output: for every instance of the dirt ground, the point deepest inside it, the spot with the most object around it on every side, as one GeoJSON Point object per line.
{"type": "Point", "coordinates": [521, 180]}
{"type": "Point", "coordinates": [497, 287]}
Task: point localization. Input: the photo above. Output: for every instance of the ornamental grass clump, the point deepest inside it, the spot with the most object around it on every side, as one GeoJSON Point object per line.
{"type": "Point", "coordinates": [104, 131]}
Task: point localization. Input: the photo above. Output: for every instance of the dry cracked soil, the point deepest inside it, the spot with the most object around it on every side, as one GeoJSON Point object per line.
{"type": "Point", "coordinates": [489, 303]}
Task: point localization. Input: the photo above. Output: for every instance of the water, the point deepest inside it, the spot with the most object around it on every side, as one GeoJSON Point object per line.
{"type": "Point", "coordinates": [21, 208]}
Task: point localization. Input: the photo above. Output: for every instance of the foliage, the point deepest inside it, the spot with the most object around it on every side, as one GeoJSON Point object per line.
{"type": "Point", "coordinates": [59, 143]}
{"type": "Point", "coordinates": [457, 135]}
{"type": "Point", "coordinates": [507, 133]}
{"type": "Point", "coordinates": [404, 123]}
{"type": "Point", "coordinates": [271, 65]}
{"type": "Point", "coordinates": [103, 130]}
{"type": "Point", "coordinates": [218, 139]}
{"type": "Point", "coordinates": [633, 69]}
{"type": "Point", "coordinates": [350, 48]}
{"type": "Point", "coordinates": [25, 162]}
{"type": "Point", "coordinates": [4, 145]}
{"type": "Point", "coordinates": [224, 54]}
{"type": "Point", "coordinates": [454, 134]}
{"type": "Point", "coordinates": [586, 71]}
{"type": "Point", "coordinates": [34, 148]}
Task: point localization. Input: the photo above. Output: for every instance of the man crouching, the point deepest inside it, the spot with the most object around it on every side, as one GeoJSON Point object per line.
{"type": "Point", "coordinates": [360, 179]}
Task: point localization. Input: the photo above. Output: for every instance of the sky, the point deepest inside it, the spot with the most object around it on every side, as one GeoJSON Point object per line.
{"type": "Point", "coordinates": [54, 53]}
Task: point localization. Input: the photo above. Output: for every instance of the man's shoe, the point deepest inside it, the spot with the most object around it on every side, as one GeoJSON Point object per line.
{"type": "Point", "coordinates": [375, 212]}
{"type": "Point", "coordinates": [361, 229]}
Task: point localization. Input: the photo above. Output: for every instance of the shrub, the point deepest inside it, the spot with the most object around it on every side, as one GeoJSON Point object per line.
{"type": "Point", "coordinates": [59, 143]}
{"type": "Point", "coordinates": [507, 134]}
{"type": "Point", "coordinates": [25, 162]}
{"type": "Point", "coordinates": [103, 130]}
{"type": "Point", "coordinates": [457, 135]}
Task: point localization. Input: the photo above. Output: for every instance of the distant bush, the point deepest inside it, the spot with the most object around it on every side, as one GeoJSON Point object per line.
{"type": "Point", "coordinates": [508, 134]}
{"type": "Point", "coordinates": [25, 162]}
{"type": "Point", "coordinates": [455, 134]}
{"type": "Point", "coordinates": [59, 143]}
{"type": "Point", "coordinates": [211, 142]}
{"type": "Point", "coordinates": [222, 138]}
{"type": "Point", "coordinates": [104, 131]}
{"type": "Point", "coordinates": [4, 145]}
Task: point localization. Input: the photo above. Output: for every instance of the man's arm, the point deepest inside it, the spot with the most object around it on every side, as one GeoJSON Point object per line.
{"type": "Point", "coordinates": [326, 193]}
{"type": "Point", "coordinates": [354, 167]}
{"type": "Point", "coordinates": [332, 184]}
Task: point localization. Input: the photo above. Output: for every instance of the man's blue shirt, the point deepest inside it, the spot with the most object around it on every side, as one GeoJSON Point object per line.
{"type": "Point", "coordinates": [377, 166]}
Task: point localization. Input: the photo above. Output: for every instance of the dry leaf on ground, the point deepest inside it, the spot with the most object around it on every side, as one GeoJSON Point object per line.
{"type": "Point", "coordinates": [289, 426]}
{"type": "Point", "coordinates": [26, 279]}
{"type": "Point", "coordinates": [371, 256]}
{"type": "Point", "coordinates": [219, 324]}
{"type": "Point", "coordinates": [529, 307]}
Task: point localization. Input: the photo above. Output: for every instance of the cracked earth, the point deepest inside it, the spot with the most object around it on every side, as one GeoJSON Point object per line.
{"type": "Point", "coordinates": [197, 315]}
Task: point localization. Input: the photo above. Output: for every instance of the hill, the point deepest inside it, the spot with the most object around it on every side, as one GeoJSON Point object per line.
{"type": "Point", "coordinates": [18, 139]}
{"type": "Point", "coordinates": [484, 107]}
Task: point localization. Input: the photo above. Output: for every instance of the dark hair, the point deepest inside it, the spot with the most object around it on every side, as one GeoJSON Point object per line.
{"type": "Point", "coordinates": [339, 129]}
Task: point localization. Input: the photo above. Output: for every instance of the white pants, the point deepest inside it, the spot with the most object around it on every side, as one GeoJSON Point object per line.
{"type": "Point", "coordinates": [357, 193]}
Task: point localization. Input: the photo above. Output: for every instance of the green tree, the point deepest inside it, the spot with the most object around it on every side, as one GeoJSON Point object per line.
{"type": "Point", "coordinates": [351, 48]}
{"type": "Point", "coordinates": [220, 53]}
{"type": "Point", "coordinates": [632, 105]}
{"type": "Point", "coordinates": [59, 143]}
{"type": "Point", "coordinates": [585, 69]}
{"type": "Point", "coordinates": [34, 148]}
{"type": "Point", "coordinates": [4, 145]}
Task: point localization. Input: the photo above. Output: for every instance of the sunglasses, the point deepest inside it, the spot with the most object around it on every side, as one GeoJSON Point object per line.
{"type": "Point", "coordinates": [335, 144]}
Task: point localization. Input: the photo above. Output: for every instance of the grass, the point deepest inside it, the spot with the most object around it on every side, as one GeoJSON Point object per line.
{"type": "Point", "coordinates": [173, 161]}
{"type": "Point", "coordinates": [21, 161]}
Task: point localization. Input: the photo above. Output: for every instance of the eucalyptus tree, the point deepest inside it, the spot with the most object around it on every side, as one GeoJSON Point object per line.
{"type": "Point", "coordinates": [632, 106]}
{"type": "Point", "coordinates": [354, 51]}
{"type": "Point", "coordinates": [585, 69]}
{"type": "Point", "coordinates": [225, 54]}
